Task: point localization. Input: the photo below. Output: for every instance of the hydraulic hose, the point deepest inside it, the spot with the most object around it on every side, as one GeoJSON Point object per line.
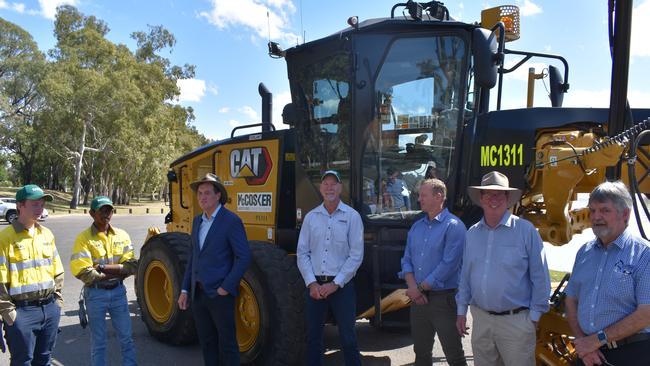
{"type": "Point", "coordinates": [634, 185]}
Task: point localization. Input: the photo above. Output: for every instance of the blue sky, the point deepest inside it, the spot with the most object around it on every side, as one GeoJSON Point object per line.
{"type": "Point", "coordinates": [226, 40]}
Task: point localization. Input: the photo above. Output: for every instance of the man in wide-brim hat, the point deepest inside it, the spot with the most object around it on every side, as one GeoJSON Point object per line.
{"type": "Point", "coordinates": [220, 256]}
{"type": "Point", "coordinates": [216, 182]}
{"type": "Point", "coordinates": [494, 181]}
{"type": "Point", "coordinates": [504, 278]}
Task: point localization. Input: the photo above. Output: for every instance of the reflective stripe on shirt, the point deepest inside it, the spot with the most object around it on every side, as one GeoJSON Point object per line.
{"type": "Point", "coordinates": [30, 263]}
{"type": "Point", "coordinates": [46, 285]}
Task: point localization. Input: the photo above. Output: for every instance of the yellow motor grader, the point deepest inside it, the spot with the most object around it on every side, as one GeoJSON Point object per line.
{"type": "Point", "coordinates": [405, 93]}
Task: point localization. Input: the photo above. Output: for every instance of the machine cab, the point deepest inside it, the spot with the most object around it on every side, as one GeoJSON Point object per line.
{"type": "Point", "coordinates": [385, 103]}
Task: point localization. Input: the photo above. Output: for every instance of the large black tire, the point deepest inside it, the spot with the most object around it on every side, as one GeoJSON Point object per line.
{"type": "Point", "coordinates": [11, 216]}
{"type": "Point", "coordinates": [280, 294]}
{"type": "Point", "coordinates": [158, 283]}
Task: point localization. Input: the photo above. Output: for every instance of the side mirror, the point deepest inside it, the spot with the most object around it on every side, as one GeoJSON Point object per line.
{"type": "Point", "coordinates": [486, 58]}
{"type": "Point", "coordinates": [557, 86]}
{"type": "Point", "coordinates": [289, 114]}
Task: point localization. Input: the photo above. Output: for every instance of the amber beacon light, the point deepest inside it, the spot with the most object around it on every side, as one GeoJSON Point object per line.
{"type": "Point", "coordinates": [508, 15]}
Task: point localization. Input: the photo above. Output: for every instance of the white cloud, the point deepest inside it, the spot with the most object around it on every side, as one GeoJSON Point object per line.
{"type": "Point", "coordinates": [234, 123]}
{"type": "Point", "coordinates": [48, 7]}
{"type": "Point", "coordinates": [600, 98]}
{"type": "Point", "coordinates": [252, 14]}
{"type": "Point", "coordinates": [640, 18]}
{"type": "Point", "coordinates": [587, 98]}
{"type": "Point", "coordinates": [279, 101]}
{"type": "Point", "coordinates": [521, 73]}
{"type": "Point", "coordinates": [192, 90]}
{"type": "Point", "coordinates": [224, 109]}
{"type": "Point", "coordinates": [249, 112]}
{"type": "Point", "coordinates": [529, 8]}
{"type": "Point", "coordinates": [17, 7]}
{"type": "Point", "coordinates": [281, 4]}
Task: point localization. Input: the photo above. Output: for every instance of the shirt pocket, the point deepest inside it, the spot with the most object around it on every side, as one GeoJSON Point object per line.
{"type": "Point", "coordinates": [622, 281]}
{"type": "Point", "coordinates": [340, 232]}
{"type": "Point", "coordinates": [19, 253]}
{"type": "Point", "coordinates": [47, 250]}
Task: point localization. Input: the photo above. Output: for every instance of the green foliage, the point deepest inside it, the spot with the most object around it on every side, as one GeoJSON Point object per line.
{"type": "Point", "coordinates": [97, 117]}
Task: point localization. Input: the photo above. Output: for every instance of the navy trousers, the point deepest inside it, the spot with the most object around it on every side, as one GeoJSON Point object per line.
{"type": "Point", "coordinates": [215, 325]}
{"type": "Point", "coordinates": [32, 336]}
{"type": "Point", "coordinates": [633, 354]}
{"type": "Point", "coordinates": [343, 306]}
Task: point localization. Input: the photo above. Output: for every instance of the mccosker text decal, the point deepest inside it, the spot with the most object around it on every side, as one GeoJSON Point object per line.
{"type": "Point", "coordinates": [255, 202]}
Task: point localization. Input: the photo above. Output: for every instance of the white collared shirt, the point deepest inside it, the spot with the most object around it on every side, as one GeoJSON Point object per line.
{"type": "Point", "coordinates": [330, 244]}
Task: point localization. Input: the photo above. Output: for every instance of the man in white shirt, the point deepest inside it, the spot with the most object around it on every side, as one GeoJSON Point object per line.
{"type": "Point", "coordinates": [330, 250]}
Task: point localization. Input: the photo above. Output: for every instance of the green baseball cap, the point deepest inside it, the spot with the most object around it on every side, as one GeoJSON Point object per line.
{"type": "Point", "coordinates": [31, 192]}
{"type": "Point", "coordinates": [99, 202]}
{"type": "Point", "coordinates": [333, 173]}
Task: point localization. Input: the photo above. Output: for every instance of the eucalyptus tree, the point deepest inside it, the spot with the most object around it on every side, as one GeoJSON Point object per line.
{"type": "Point", "coordinates": [22, 68]}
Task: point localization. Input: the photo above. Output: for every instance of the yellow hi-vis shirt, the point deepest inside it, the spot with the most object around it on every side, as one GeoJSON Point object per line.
{"type": "Point", "coordinates": [30, 267]}
{"type": "Point", "coordinates": [93, 247]}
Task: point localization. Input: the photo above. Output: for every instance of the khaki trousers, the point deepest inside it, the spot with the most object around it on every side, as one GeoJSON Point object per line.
{"type": "Point", "coordinates": [437, 316]}
{"type": "Point", "coordinates": [503, 340]}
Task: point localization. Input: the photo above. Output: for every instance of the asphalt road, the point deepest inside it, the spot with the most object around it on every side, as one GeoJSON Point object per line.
{"type": "Point", "coordinates": [73, 344]}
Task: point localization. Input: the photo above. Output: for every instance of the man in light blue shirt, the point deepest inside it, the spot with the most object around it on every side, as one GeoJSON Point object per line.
{"type": "Point", "coordinates": [504, 278]}
{"type": "Point", "coordinates": [430, 266]}
{"type": "Point", "coordinates": [608, 295]}
{"type": "Point", "coordinates": [330, 250]}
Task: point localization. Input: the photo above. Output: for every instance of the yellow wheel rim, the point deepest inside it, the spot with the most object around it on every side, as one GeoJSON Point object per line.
{"type": "Point", "coordinates": [247, 317]}
{"type": "Point", "coordinates": [158, 291]}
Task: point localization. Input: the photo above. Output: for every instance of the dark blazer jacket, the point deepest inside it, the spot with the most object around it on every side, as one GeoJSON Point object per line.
{"type": "Point", "coordinates": [224, 258]}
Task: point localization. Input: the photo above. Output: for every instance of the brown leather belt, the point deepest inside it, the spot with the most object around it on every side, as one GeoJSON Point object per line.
{"type": "Point", "coordinates": [508, 312]}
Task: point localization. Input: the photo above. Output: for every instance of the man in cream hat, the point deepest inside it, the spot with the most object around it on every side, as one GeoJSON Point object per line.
{"type": "Point", "coordinates": [504, 278]}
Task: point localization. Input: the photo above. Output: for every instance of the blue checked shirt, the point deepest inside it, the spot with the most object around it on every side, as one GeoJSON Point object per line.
{"type": "Point", "coordinates": [434, 250]}
{"type": "Point", "coordinates": [611, 282]}
{"type": "Point", "coordinates": [330, 245]}
{"type": "Point", "coordinates": [504, 268]}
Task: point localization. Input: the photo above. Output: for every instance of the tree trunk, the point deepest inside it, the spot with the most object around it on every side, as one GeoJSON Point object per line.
{"type": "Point", "coordinates": [77, 169]}
{"type": "Point", "coordinates": [89, 181]}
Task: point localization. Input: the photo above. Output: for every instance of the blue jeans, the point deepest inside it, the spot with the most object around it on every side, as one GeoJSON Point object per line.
{"type": "Point", "coordinates": [114, 302]}
{"type": "Point", "coordinates": [32, 336]}
{"type": "Point", "coordinates": [343, 306]}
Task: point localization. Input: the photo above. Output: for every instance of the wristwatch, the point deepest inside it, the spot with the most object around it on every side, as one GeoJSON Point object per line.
{"type": "Point", "coordinates": [602, 337]}
{"type": "Point", "coordinates": [420, 288]}
{"type": "Point", "coordinates": [100, 268]}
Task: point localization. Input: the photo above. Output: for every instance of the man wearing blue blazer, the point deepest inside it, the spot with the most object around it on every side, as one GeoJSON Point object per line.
{"type": "Point", "coordinates": [220, 256]}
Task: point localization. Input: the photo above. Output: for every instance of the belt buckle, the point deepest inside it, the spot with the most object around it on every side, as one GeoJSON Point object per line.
{"type": "Point", "coordinates": [324, 278]}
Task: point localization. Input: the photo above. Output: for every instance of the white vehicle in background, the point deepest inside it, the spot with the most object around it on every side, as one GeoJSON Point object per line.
{"type": "Point", "coordinates": [9, 213]}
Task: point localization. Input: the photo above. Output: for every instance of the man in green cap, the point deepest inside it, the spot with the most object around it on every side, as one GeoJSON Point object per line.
{"type": "Point", "coordinates": [102, 257]}
{"type": "Point", "coordinates": [31, 279]}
